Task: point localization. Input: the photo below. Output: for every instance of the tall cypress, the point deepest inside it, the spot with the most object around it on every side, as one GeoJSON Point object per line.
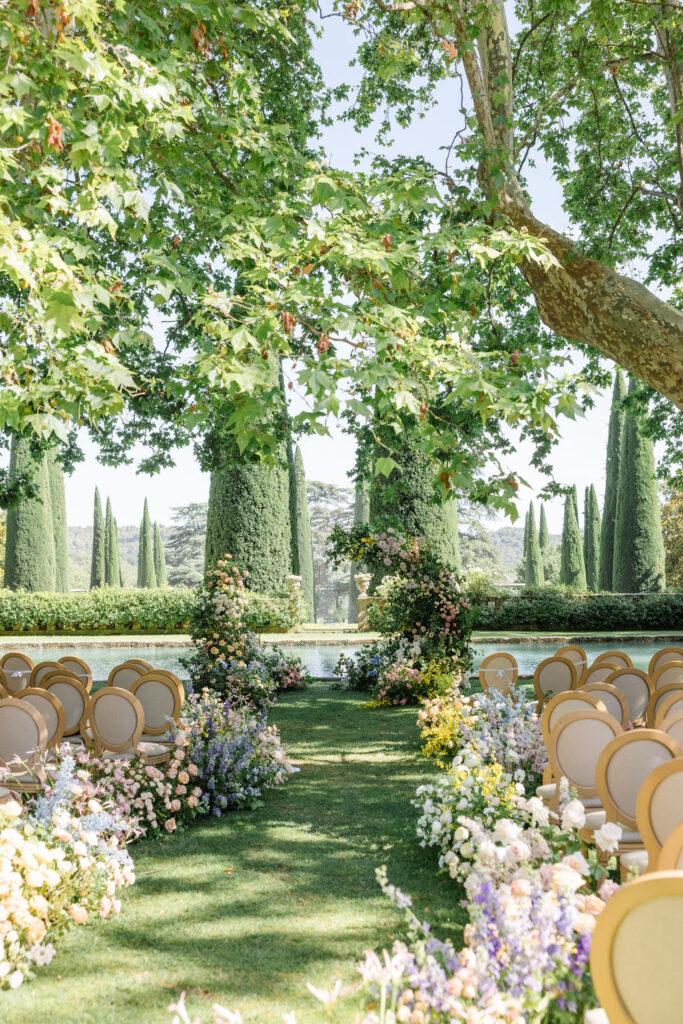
{"type": "Point", "coordinates": [361, 514]}
{"type": "Point", "coordinates": [638, 543]}
{"type": "Point", "coordinates": [302, 542]}
{"type": "Point", "coordinates": [543, 533]}
{"type": "Point", "coordinates": [117, 554]}
{"type": "Point", "coordinates": [108, 542]}
{"type": "Point", "coordinates": [525, 540]}
{"type": "Point", "coordinates": [113, 561]}
{"type": "Point", "coordinates": [591, 538]}
{"type": "Point", "coordinates": [58, 513]}
{"type": "Point", "coordinates": [575, 499]}
{"type": "Point", "coordinates": [98, 575]}
{"type": "Point", "coordinates": [533, 576]}
{"type": "Point", "coordinates": [146, 573]}
{"type": "Point", "coordinates": [609, 511]}
{"type": "Point", "coordinates": [159, 558]}
{"type": "Point", "coordinates": [29, 542]}
{"type": "Point", "coordinates": [572, 569]}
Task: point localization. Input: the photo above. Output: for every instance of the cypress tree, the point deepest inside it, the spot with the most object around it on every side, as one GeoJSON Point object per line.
{"type": "Point", "coordinates": [159, 558]}
{"type": "Point", "coordinates": [525, 541]}
{"type": "Point", "coordinates": [638, 544]}
{"type": "Point", "coordinates": [108, 533]}
{"type": "Point", "coordinates": [29, 542]}
{"type": "Point", "coordinates": [113, 561]}
{"type": "Point", "coordinates": [58, 513]}
{"type": "Point", "coordinates": [98, 574]}
{"type": "Point", "coordinates": [543, 533]}
{"type": "Point", "coordinates": [575, 499]}
{"type": "Point", "coordinates": [534, 564]}
{"type": "Point", "coordinates": [572, 569]}
{"type": "Point", "coordinates": [361, 514]}
{"type": "Point", "coordinates": [302, 541]}
{"type": "Point", "coordinates": [118, 553]}
{"type": "Point", "coordinates": [146, 574]}
{"type": "Point", "coordinates": [609, 511]}
{"type": "Point", "coordinates": [591, 538]}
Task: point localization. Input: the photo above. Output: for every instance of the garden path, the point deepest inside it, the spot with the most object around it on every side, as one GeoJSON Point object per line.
{"type": "Point", "coordinates": [245, 909]}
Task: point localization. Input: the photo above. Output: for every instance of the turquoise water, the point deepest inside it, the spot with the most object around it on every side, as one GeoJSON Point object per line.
{"type": "Point", "coordinates": [103, 659]}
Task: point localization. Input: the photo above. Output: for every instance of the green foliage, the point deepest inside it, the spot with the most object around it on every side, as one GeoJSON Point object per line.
{"type": "Point", "coordinates": [302, 543]}
{"type": "Point", "coordinates": [361, 514]}
{"type": "Point", "coordinates": [638, 544]}
{"type": "Point", "coordinates": [591, 538]}
{"type": "Point", "coordinates": [525, 540]}
{"type": "Point", "coordinates": [98, 569]}
{"type": "Point", "coordinates": [672, 533]}
{"type": "Point", "coordinates": [556, 609]}
{"type": "Point", "coordinates": [543, 535]}
{"type": "Point", "coordinates": [111, 545]}
{"type": "Point", "coordinates": [58, 516]}
{"type": "Point", "coordinates": [106, 609]}
{"type": "Point", "coordinates": [159, 558]}
{"type": "Point", "coordinates": [185, 544]}
{"type": "Point", "coordinates": [609, 512]}
{"type": "Point", "coordinates": [30, 549]}
{"type": "Point", "coordinates": [572, 569]}
{"type": "Point", "coordinates": [146, 573]}
{"type": "Point", "coordinates": [534, 563]}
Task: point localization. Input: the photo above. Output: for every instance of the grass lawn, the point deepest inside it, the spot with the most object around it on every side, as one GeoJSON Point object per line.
{"type": "Point", "coordinates": [245, 909]}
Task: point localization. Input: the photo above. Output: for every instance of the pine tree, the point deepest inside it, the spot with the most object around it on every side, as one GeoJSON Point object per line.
{"type": "Point", "coordinates": [543, 534]}
{"type": "Point", "coordinates": [146, 574]}
{"type": "Point", "coordinates": [609, 511]}
{"type": "Point", "coordinates": [361, 514]}
{"type": "Point", "coordinates": [302, 543]}
{"type": "Point", "coordinates": [534, 564]}
{"type": "Point", "coordinates": [591, 538]}
{"type": "Point", "coordinates": [29, 544]}
{"type": "Point", "coordinates": [159, 558]}
{"type": "Point", "coordinates": [638, 543]}
{"type": "Point", "coordinates": [572, 569]}
{"type": "Point", "coordinates": [113, 563]}
{"type": "Point", "coordinates": [98, 574]}
{"type": "Point", "coordinates": [58, 513]}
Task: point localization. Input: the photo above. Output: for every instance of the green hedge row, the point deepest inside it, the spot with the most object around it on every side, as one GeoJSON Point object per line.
{"type": "Point", "coordinates": [552, 609]}
{"type": "Point", "coordinates": [115, 610]}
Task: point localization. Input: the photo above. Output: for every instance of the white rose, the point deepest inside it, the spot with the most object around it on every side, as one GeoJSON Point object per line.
{"type": "Point", "coordinates": [436, 827]}
{"type": "Point", "coordinates": [466, 850]}
{"type": "Point", "coordinates": [573, 816]}
{"type": "Point", "coordinates": [506, 831]}
{"type": "Point", "coordinates": [608, 836]}
{"type": "Point", "coordinates": [578, 862]}
{"type": "Point", "coordinates": [538, 810]}
{"type": "Point", "coordinates": [461, 833]}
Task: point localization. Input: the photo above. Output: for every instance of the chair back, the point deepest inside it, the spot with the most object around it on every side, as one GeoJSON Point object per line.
{"type": "Point", "coordinates": [624, 765]}
{"type": "Point", "coordinates": [618, 658]}
{"type": "Point", "coordinates": [672, 725]}
{"type": "Point", "coordinates": [670, 705]}
{"type": "Point", "coordinates": [116, 720]}
{"type": "Point", "coordinates": [160, 702]}
{"type": "Point", "coordinates": [23, 734]}
{"type": "Point", "coordinates": [173, 678]}
{"type": "Point", "coordinates": [124, 675]}
{"type": "Point", "coordinates": [79, 668]}
{"type": "Point", "coordinates": [73, 696]}
{"type": "Point", "coordinates": [47, 705]}
{"type": "Point", "coordinates": [498, 672]}
{"type": "Point", "coordinates": [658, 698]}
{"type": "Point", "coordinates": [613, 699]}
{"type": "Point", "coordinates": [575, 745]}
{"type": "Point", "coordinates": [659, 807]}
{"type": "Point", "coordinates": [17, 670]}
{"type": "Point", "coordinates": [599, 673]}
{"type": "Point", "coordinates": [576, 655]}
{"type": "Point", "coordinates": [147, 665]}
{"type": "Point", "coordinates": [671, 856]}
{"type": "Point", "coordinates": [553, 676]}
{"type": "Point", "coordinates": [45, 668]}
{"type": "Point", "coordinates": [671, 672]}
{"type": "Point", "coordinates": [635, 956]}
{"type": "Point", "coordinates": [567, 704]}
{"type": "Point", "coordinates": [661, 657]}
{"type": "Point", "coordinates": [635, 686]}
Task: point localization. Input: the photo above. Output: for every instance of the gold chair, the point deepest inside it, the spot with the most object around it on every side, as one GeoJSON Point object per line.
{"type": "Point", "coordinates": [635, 686]}
{"type": "Point", "coordinates": [567, 703]}
{"type": "Point", "coordinates": [672, 725]}
{"type": "Point", "coordinates": [160, 702]}
{"type": "Point", "coordinates": [635, 956]}
{"type": "Point", "coordinates": [17, 669]}
{"type": "Point", "coordinates": [173, 678]}
{"type": "Point", "coordinates": [663, 656]}
{"type": "Point", "coordinates": [74, 698]}
{"type": "Point", "coordinates": [574, 747]}
{"type": "Point", "coordinates": [554, 675]}
{"type": "Point", "coordinates": [123, 676]}
{"type": "Point", "coordinates": [671, 856]}
{"type": "Point", "coordinates": [116, 721]}
{"type": "Point", "coordinates": [658, 698]}
{"type": "Point", "coordinates": [498, 671]}
{"type": "Point", "coordinates": [599, 673]}
{"type": "Point", "coordinates": [47, 705]}
{"type": "Point", "coordinates": [659, 811]}
{"type": "Point", "coordinates": [618, 658]}
{"type": "Point", "coordinates": [671, 672]}
{"type": "Point", "coordinates": [23, 738]}
{"type": "Point", "coordinates": [613, 699]}
{"type": "Point", "coordinates": [671, 705]}
{"type": "Point", "coordinates": [147, 665]}
{"type": "Point", "coordinates": [44, 668]}
{"type": "Point", "coordinates": [80, 668]}
{"type": "Point", "coordinates": [576, 655]}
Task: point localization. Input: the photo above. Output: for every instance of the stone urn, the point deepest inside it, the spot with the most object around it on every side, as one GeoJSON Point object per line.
{"type": "Point", "coordinates": [362, 580]}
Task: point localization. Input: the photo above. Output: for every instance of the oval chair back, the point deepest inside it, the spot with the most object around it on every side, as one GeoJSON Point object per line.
{"type": "Point", "coordinates": [45, 668]}
{"type": "Point", "coordinates": [80, 668]}
{"type": "Point", "coordinates": [599, 673]}
{"type": "Point", "coordinates": [23, 735]}
{"type": "Point", "coordinates": [664, 655]}
{"type": "Point", "coordinates": [622, 768]}
{"type": "Point", "coordinates": [635, 686]}
{"type": "Point", "coordinates": [576, 655]}
{"type": "Point", "coordinates": [658, 698]}
{"type": "Point", "coordinates": [147, 665]}
{"type": "Point", "coordinates": [47, 705]}
{"type": "Point", "coordinates": [17, 669]}
{"type": "Point", "coordinates": [73, 696]}
{"type": "Point", "coordinates": [173, 678]}
{"type": "Point", "coordinates": [659, 807]}
{"type": "Point", "coordinates": [671, 856]}
{"type": "Point", "coordinates": [124, 675]}
{"type": "Point", "coordinates": [160, 702]}
{"type": "Point", "coordinates": [613, 699]}
{"type": "Point", "coordinates": [635, 956]}
{"type": "Point", "coordinates": [554, 675]}
{"type": "Point", "coordinates": [670, 705]}
{"type": "Point", "coordinates": [672, 725]}
{"type": "Point", "coordinates": [4, 692]}
{"type": "Point", "coordinates": [567, 704]}
{"type": "Point", "coordinates": [116, 720]}
{"type": "Point", "coordinates": [575, 746]}
{"type": "Point", "coordinates": [672, 672]}
{"type": "Point", "coordinates": [618, 658]}
{"type": "Point", "coordinates": [498, 671]}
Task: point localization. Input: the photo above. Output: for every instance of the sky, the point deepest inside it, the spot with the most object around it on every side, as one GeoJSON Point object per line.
{"type": "Point", "coordinates": [578, 459]}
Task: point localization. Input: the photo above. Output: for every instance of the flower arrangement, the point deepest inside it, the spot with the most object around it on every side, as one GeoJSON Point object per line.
{"type": "Point", "coordinates": [288, 673]}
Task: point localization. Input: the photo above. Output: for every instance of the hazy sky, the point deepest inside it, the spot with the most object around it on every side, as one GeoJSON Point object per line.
{"type": "Point", "coordinates": [579, 458]}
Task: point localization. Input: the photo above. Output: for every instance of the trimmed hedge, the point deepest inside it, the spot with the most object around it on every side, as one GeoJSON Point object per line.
{"type": "Point", "coordinates": [115, 610]}
{"type": "Point", "coordinates": [552, 609]}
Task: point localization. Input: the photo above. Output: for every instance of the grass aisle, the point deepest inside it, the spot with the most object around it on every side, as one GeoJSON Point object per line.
{"type": "Point", "coordinates": [245, 909]}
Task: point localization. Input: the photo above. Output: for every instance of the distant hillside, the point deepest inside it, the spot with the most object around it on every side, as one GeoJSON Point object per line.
{"type": "Point", "coordinates": [80, 553]}
{"type": "Point", "coordinates": [508, 541]}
